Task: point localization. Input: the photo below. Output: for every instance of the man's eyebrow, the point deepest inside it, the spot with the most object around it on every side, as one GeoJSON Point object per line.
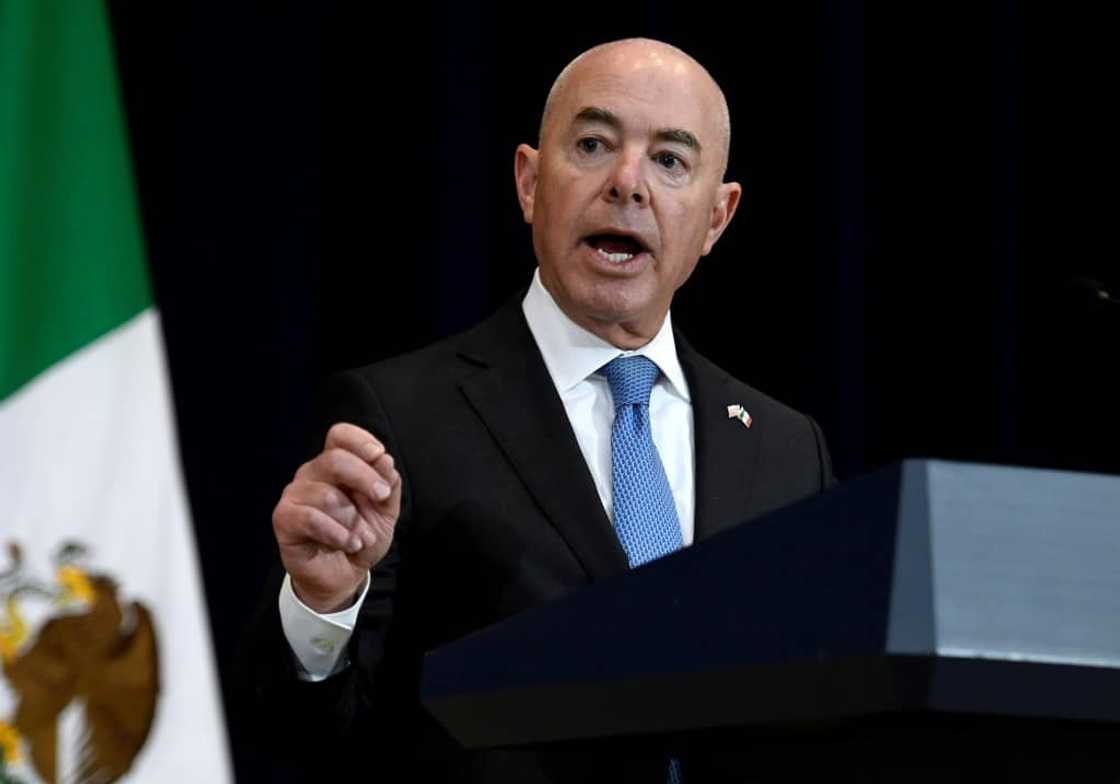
{"type": "Point", "coordinates": [680, 136]}
{"type": "Point", "coordinates": [597, 114]}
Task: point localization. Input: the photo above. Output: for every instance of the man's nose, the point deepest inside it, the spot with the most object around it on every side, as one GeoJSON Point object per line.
{"type": "Point", "coordinates": [627, 182]}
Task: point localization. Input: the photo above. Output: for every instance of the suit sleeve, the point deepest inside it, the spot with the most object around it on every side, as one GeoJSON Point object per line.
{"type": "Point", "coordinates": [290, 708]}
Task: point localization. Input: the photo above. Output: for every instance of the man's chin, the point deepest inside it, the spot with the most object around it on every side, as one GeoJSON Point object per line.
{"type": "Point", "coordinates": [620, 318]}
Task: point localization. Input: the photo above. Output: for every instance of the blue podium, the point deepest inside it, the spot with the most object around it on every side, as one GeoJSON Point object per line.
{"type": "Point", "coordinates": [893, 610]}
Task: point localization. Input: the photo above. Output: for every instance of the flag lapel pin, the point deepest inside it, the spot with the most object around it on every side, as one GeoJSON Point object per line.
{"type": "Point", "coordinates": [736, 411]}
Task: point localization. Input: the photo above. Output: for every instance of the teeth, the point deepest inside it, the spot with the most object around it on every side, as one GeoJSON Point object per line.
{"type": "Point", "coordinates": [617, 258]}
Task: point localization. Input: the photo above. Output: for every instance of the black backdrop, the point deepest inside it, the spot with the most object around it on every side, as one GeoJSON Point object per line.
{"type": "Point", "coordinates": [324, 185]}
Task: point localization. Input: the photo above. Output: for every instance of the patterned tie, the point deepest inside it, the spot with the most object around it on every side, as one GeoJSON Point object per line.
{"type": "Point", "coordinates": [645, 515]}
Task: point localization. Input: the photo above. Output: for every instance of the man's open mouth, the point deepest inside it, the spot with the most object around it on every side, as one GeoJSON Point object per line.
{"type": "Point", "coordinates": [616, 248]}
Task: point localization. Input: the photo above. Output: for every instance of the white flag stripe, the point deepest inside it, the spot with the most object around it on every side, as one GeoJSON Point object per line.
{"type": "Point", "coordinates": [90, 454]}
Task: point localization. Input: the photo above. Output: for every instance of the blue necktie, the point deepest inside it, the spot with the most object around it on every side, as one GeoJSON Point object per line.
{"type": "Point", "coordinates": [645, 515]}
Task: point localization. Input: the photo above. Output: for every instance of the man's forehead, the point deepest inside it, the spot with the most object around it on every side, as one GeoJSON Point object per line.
{"type": "Point", "coordinates": [643, 74]}
{"type": "Point", "coordinates": [646, 77]}
{"type": "Point", "coordinates": [647, 96]}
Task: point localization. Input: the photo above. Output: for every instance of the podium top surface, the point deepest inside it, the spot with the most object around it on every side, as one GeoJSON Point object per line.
{"type": "Point", "coordinates": [1004, 582]}
{"type": "Point", "coordinates": [1016, 564]}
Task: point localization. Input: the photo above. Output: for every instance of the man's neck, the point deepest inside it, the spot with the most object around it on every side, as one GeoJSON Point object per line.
{"type": "Point", "coordinates": [625, 335]}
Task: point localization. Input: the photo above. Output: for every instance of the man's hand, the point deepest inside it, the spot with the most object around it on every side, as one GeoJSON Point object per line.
{"type": "Point", "coordinates": [335, 520]}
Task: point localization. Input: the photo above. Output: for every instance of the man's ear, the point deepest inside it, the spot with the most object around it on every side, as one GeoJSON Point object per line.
{"type": "Point", "coordinates": [727, 201]}
{"type": "Point", "coordinates": [525, 176]}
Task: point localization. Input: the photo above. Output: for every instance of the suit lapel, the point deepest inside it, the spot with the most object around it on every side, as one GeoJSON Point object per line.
{"type": "Point", "coordinates": [514, 396]}
{"type": "Point", "coordinates": [726, 451]}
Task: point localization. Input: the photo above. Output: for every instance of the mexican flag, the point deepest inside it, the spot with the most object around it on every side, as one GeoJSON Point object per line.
{"type": "Point", "coordinates": [107, 666]}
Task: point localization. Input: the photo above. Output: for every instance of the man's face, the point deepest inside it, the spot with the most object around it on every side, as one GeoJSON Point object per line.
{"type": "Point", "coordinates": [625, 194]}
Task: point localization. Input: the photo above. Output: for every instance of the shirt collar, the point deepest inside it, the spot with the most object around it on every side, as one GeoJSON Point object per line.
{"type": "Point", "coordinates": [572, 354]}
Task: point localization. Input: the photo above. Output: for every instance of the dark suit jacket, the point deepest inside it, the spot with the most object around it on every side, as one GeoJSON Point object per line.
{"type": "Point", "coordinates": [499, 514]}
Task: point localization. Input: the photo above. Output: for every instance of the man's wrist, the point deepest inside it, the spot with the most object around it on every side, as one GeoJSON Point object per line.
{"type": "Point", "coordinates": [328, 604]}
{"type": "Point", "coordinates": [318, 640]}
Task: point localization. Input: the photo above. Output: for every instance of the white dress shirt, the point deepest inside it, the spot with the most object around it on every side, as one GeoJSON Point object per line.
{"type": "Point", "coordinates": [574, 358]}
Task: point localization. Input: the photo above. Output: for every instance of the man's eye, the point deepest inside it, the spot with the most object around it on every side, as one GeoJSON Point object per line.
{"type": "Point", "coordinates": [668, 160]}
{"type": "Point", "coordinates": [589, 145]}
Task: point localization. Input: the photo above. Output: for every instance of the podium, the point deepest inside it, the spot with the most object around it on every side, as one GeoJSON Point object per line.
{"type": "Point", "coordinates": [929, 608]}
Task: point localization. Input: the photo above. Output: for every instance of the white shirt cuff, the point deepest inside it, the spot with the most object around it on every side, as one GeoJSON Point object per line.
{"type": "Point", "coordinates": [317, 640]}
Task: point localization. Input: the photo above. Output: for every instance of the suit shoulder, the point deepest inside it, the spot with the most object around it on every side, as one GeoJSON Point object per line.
{"type": "Point", "coordinates": [755, 400]}
{"type": "Point", "coordinates": [435, 358]}
{"type": "Point", "coordinates": [447, 359]}
{"type": "Point", "coordinates": [793, 442]}
{"type": "Point", "coordinates": [429, 379]}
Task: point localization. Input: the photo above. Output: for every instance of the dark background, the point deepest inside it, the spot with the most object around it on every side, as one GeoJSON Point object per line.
{"type": "Point", "coordinates": [324, 185]}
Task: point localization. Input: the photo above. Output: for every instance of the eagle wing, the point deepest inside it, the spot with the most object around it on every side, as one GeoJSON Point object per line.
{"type": "Point", "coordinates": [45, 680]}
{"type": "Point", "coordinates": [120, 700]}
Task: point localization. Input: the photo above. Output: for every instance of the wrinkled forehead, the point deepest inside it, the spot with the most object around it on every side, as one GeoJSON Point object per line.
{"type": "Point", "coordinates": [651, 89]}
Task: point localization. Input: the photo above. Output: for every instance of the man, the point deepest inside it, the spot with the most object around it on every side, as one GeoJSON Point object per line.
{"type": "Point", "coordinates": [496, 470]}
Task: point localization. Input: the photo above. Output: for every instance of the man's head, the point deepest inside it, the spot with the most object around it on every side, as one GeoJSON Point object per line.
{"type": "Point", "coordinates": [626, 192]}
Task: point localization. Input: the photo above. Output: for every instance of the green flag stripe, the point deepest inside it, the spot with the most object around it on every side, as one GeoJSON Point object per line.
{"type": "Point", "coordinates": [71, 249]}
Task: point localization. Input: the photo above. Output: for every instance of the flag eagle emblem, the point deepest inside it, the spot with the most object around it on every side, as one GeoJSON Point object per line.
{"type": "Point", "coordinates": [91, 652]}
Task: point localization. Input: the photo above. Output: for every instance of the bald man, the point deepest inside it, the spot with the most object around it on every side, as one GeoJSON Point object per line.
{"type": "Point", "coordinates": [474, 479]}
